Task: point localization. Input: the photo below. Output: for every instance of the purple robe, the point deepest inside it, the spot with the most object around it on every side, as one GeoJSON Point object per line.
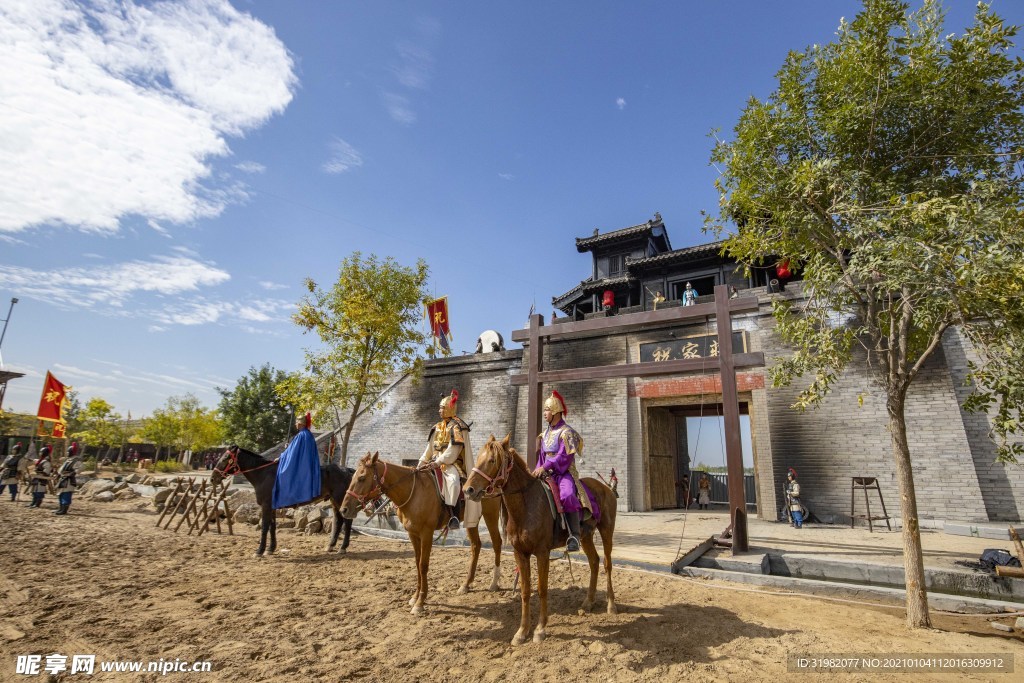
{"type": "Point", "coordinates": [554, 455]}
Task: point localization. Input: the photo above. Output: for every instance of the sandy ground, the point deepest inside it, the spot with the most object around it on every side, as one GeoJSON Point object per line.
{"type": "Point", "coordinates": [105, 581]}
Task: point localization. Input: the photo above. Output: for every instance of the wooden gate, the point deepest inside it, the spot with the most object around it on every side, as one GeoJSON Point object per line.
{"type": "Point", "coordinates": [661, 445]}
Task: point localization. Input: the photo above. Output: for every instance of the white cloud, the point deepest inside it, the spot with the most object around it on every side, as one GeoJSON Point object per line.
{"type": "Point", "coordinates": [506, 176]}
{"type": "Point", "coordinates": [271, 286]}
{"type": "Point", "coordinates": [343, 157]}
{"type": "Point", "coordinates": [415, 67]}
{"type": "Point", "coordinates": [620, 103]}
{"type": "Point", "coordinates": [112, 285]}
{"type": "Point", "coordinates": [399, 108]}
{"type": "Point", "coordinates": [113, 108]}
{"type": "Point", "coordinates": [251, 167]}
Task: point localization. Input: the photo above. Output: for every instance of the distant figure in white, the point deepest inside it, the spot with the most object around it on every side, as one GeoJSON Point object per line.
{"type": "Point", "coordinates": [489, 341]}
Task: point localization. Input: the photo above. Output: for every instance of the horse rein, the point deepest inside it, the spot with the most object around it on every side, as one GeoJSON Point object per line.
{"type": "Point", "coordinates": [496, 486]}
{"type": "Point", "coordinates": [366, 500]}
{"type": "Point", "coordinates": [234, 468]}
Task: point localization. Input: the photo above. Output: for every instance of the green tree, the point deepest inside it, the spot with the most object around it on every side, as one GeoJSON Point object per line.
{"type": "Point", "coordinates": [160, 429]}
{"type": "Point", "coordinates": [367, 322]}
{"type": "Point", "coordinates": [885, 168]}
{"type": "Point", "coordinates": [254, 417]}
{"type": "Point", "coordinates": [99, 425]}
{"type": "Point", "coordinates": [73, 411]}
{"type": "Point", "coordinates": [198, 428]}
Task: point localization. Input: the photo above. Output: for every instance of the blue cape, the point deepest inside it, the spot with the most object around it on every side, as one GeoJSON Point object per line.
{"type": "Point", "coordinates": [298, 472]}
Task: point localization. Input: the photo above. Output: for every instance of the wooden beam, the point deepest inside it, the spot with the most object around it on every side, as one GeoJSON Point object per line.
{"type": "Point", "coordinates": [691, 556]}
{"type": "Point", "coordinates": [1014, 572]}
{"type": "Point", "coordinates": [731, 416]}
{"type": "Point", "coordinates": [648, 369]}
{"type": "Point", "coordinates": [535, 388]}
{"type": "Point", "coordinates": [631, 321]}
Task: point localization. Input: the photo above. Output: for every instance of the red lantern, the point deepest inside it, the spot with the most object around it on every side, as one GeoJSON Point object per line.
{"type": "Point", "coordinates": [608, 301]}
{"type": "Point", "coordinates": [782, 270]}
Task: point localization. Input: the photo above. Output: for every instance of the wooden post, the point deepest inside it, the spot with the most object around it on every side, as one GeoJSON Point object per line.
{"type": "Point", "coordinates": [170, 498]}
{"type": "Point", "coordinates": [201, 513]}
{"type": "Point", "coordinates": [534, 389]}
{"type": "Point", "coordinates": [191, 507]}
{"type": "Point", "coordinates": [731, 414]}
{"type": "Point", "coordinates": [1016, 542]}
{"type": "Point", "coordinates": [182, 503]}
{"type": "Point", "coordinates": [206, 524]}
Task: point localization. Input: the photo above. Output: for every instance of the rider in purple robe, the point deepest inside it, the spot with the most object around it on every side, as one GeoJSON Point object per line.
{"type": "Point", "coordinates": [557, 449]}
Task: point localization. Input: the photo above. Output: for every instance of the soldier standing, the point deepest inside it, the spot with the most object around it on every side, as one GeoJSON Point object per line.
{"type": "Point", "coordinates": [41, 476]}
{"type": "Point", "coordinates": [14, 468]}
{"type": "Point", "coordinates": [66, 482]}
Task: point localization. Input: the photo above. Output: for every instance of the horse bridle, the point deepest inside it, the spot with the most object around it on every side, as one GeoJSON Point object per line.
{"type": "Point", "coordinates": [234, 468]}
{"type": "Point", "coordinates": [496, 486]}
{"type": "Point", "coordinates": [378, 490]}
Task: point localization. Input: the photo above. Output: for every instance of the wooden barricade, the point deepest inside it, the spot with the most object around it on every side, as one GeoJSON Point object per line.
{"type": "Point", "coordinates": [190, 502]}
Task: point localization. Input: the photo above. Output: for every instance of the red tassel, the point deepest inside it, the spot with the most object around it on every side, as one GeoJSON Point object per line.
{"type": "Point", "coordinates": [565, 408]}
{"type": "Point", "coordinates": [309, 421]}
{"type": "Point", "coordinates": [455, 397]}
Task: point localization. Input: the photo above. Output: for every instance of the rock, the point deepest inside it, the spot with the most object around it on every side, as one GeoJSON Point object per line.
{"type": "Point", "coordinates": [1019, 624]}
{"type": "Point", "coordinates": [143, 490]}
{"type": "Point", "coordinates": [241, 497]}
{"type": "Point", "coordinates": [248, 513]}
{"type": "Point", "coordinates": [596, 648]}
{"type": "Point", "coordinates": [103, 497]}
{"type": "Point", "coordinates": [161, 496]}
{"type": "Point", "coordinates": [119, 486]}
{"type": "Point", "coordinates": [125, 494]}
{"type": "Point", "coordinates": [133, 478]}
{"type": "Point", "coordinates": [313, 526]}
{"type": "Point", "coordinates": [285, 523]}
{"type": "Point", "coordinates": [96, 486]}
{"type": "Point", "coordinates": [328, 525]}
{"type": "Point", "coordinates": [1001, 627]}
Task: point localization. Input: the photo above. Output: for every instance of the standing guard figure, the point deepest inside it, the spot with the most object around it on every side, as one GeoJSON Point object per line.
{"type": "Point", "coordinates": [557, 449]}
{"type": "Point", "coordinates": [689, 295]}
{"type": "Point", "coordinates": [796, 509]}
{"type": "Point", "coordinates": [66, 479]}
{"type": "Point", "coordinates": [14, 468]}
{"type": "Point", "coordinates": [41, 476]}
{"type": "Point", "coordinates": [446, 450]}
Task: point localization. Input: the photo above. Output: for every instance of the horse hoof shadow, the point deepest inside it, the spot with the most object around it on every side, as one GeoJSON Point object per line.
{"type": "Point", "coordinates": [587, 607]}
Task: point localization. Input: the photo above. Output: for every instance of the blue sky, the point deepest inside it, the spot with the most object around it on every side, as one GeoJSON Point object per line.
{"type": "Point", "coordinates": [174, 170]}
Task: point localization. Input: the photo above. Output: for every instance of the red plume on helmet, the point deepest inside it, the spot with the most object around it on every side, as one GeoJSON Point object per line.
{"type": "Point", "coordinates": [565, 408]}
{"type": "Point", "coordinates": [309, 420]}
{"type": "Point", "coordinates": [73, 448]}
{"type": "Point", "coordinates": [455, 396]}
{"type": "Point", "coordinates": [792, 472]}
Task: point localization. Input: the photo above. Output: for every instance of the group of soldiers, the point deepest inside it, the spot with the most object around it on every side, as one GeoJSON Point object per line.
{"type": "Point", "coordinates": [39, 475]}
{"type": "Point", "coordinates": [557, 448]}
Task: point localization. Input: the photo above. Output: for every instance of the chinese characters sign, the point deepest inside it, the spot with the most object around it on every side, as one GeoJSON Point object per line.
{"type": "Point", "coordinates": [52, 400]}
{"type": "Point", "coordinates": [437, 314]}
{"type": "Point", "coordinates": [704, 346]}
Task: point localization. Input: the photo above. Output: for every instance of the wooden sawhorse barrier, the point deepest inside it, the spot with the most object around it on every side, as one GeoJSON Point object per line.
{"type": "Point", "coordinates": [191, 502]}
{"type": "Point", "coordinates": [865, 484]}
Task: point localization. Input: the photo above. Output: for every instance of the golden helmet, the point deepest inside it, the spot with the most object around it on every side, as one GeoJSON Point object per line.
{"type": "Point", "coordinates": [555, 403]}
{"type": "Point", "coordinates": [448, 404]}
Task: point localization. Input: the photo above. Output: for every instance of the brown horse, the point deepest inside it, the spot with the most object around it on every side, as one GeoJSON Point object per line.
{"type": "Point", "coordinates": [530, 526]}
{"type": "Point", "coordinates": [421, 512]}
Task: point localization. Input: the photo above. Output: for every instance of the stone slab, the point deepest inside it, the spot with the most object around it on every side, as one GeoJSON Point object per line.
{"type": "Point", "coordinates": [981, 530]}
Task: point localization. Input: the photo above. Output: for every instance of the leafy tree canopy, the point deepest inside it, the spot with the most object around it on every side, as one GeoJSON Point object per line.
{"type": "Point", "coordinates": [253, 415]}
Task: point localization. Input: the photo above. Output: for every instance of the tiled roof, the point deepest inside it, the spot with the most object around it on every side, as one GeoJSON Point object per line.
{"type": "Point", "coordinates": [587, 243]}
{"type": "Point", "coordinates": [567, 295]}
{"type": "Point", "coordinates": [685, 254]}
{"type": "Point", "coordinates": [590, 285]}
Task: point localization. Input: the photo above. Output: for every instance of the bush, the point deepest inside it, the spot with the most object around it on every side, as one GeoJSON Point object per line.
{"type": "Point", "coordinates": [169, 466]}
{"type": "Point", "coordinates": [89, 464]}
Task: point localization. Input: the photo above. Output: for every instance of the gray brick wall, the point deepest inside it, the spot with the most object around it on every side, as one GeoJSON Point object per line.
{"type": "Point", "coordinates": [954, 471]}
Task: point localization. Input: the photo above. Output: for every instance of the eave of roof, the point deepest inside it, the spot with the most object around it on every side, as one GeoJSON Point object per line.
{"type": "Point", "coordinates": [684, 254]}
{"type": "Point", "coordinates": [584, 244]}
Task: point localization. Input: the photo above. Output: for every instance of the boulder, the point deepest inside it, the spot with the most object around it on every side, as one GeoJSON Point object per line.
{"type": "Point", "coordinates": [119, 486]}
{"type": "Point", "coordinates": [143, 490]}
{"type": "Point", "coordinates": [241, 497]}
{"type": "Point", "coordinates": [103, 497]}
{"type": "Point", "coordinates": [248, 513]}
{"type": "Point", "coordinates": [313, 526]}
{"type": "Point", "coordinates": [125, 494]}
{"type": "Point", "coordinates": [285, 523]}
{"type": "Point", "coordinates": [161, 496]}
{"type": "Point", "coordinates": [95, 486]}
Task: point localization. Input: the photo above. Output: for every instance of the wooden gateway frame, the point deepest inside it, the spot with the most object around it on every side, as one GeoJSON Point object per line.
{"type": "Point", "coordinates": [726, 363]}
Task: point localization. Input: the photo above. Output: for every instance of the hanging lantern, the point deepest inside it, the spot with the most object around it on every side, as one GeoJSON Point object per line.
{"type": "Point", "coordinates": [608, 300]}
{"type": "Point", "coordinates": [782, 270]}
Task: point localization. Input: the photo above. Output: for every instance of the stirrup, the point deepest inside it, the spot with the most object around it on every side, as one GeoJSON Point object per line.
{"type": "Point", "coordinates": [572, 544]}
{"type": "Point", "coordinates": [453, 523]}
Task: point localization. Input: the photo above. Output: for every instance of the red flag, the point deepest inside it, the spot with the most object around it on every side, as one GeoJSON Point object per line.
{"type": "Point", "coordinates": [59, 429]}
{"type": "Point", "coordinates": [52, 400]}
{"type": "Point", "coordinates": [437, 313]}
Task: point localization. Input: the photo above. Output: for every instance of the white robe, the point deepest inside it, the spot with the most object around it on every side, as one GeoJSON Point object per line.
{"type": "Point", "coordinates": [450, 476]}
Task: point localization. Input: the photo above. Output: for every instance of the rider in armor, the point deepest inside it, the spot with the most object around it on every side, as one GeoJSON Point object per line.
{"type": "Point", "coordinates": [14, 468]}
{"type": "Point", "coordinates": [66, 482]}
{"type": "Point", "coordinates": [41, 476]}
{"type": "Point", "coordinates": [446, 449]}
{"type": "Point", "coordinates": [557, 448]}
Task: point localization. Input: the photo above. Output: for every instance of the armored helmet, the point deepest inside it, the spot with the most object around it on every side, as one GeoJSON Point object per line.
{"type": "Point", "coordinates": [447, 404]}
{"type": "Point", "coordinates": [555, 403]}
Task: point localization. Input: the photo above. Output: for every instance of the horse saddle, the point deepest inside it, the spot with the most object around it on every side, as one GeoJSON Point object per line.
{"type": "Point", "coordinates": [554, 503]}
{"type": "Point", "coordinates": [460, 506]}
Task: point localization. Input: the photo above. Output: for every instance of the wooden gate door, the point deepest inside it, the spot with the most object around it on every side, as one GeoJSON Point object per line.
{"type": "Point", "coordinates": [661, 440]}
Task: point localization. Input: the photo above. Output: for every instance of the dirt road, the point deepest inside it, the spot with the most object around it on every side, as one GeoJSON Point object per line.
{"type": "Point", "coordinates": [105, 581]}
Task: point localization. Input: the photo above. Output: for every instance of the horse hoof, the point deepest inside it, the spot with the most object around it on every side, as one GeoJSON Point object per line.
{"type": "Point", "coordinates": [587, 605]}
{"type": "Point", "coordinates": [539, 636]}
{"type": "Point", "coordinates": [612, 609]}
{"type": "Point", "coordinates": [518, 640]}
{"type": "Point", "coordinates": [258, 555]}
{"type": "Point", "coordinates": [462, 590]}
{"type": "Point", "coordinates": [494, 587]}
{"type": "Point", "coordinates": [343, 551]}
{"type": "Point", "coordinates": [412, 601]}
{"type": "Point", "coordinates": [417, 610]}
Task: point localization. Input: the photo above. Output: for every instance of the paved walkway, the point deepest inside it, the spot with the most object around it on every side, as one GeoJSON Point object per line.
{"type": "Point", "coordinates": [657, 538]}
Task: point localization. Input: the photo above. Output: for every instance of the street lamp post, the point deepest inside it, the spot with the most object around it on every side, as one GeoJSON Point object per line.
{"type": "Point", "coordinates": [4, 332]}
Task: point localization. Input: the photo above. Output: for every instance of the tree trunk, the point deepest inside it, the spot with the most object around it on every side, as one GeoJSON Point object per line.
{"type": "Point", "coordinates": [913, 557]}
{"type": "Point", "coordinates": [348, 432]}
